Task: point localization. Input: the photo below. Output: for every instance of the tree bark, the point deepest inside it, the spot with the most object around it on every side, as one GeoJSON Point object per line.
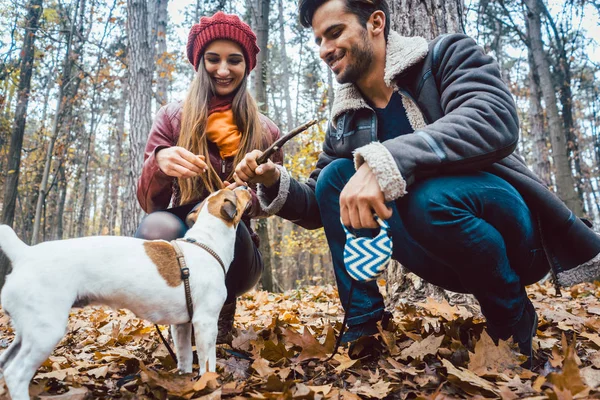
{"type": "Point", "coordinates": [34, 11]}
{"type": "Point", "coordinates": [541, 163]}
{"type": "Point", "coordinates": [285, 66]}
{"type": "Point", "coordinates": [427, 18]}
{"type": "Point", "coordinates": [565, 183]}
{"type": "Point", "coordinates": [260, 21]}
{"type": "Point", "coordinates": [142, 40]}
{"type": "Point", "coordinates": [68, 88]}
{"type": "Point", "coordinates": [162, 61]}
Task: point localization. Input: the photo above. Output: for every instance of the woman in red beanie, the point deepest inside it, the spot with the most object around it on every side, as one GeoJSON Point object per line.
{"type": "Point", "coordinates": [193, 147]}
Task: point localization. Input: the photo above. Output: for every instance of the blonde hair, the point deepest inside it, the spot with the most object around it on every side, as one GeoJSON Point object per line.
{"type": "Point", "coordinates": [193, 131]}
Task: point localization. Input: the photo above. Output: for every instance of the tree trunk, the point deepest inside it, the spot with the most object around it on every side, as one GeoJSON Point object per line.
{"type": "Point", "coordinates": [162, 62]}
{"type": "Point", "coordinates": [541, 163]}
{"type": "Point", "coordinates": [34, 10]}
{"type": "Point", "coordinates": [68, 88]}
{"type": "Point", "coordinates": [141, 67]}
{"type": "Point", "coordinates": [260, 24]}
{"type": "Point", "coordinates": [427, 18]}
{"type": "Point", "coordinates": [117, 174]}
{"type": "Point", "coordinates": [260, 21]}
{"type": "Point", "coordinates": [285, 66]}
{"type": "Point", "coordinates": [565, 183]}
{"type": "Point", "coordinates": [62, 199]}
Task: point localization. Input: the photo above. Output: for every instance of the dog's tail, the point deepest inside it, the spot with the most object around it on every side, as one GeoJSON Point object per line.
{"type": "Point", "coordinates": [10, 244]}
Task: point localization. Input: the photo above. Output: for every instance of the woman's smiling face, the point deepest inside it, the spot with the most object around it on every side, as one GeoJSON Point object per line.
{"type": "Point", "coordinates": [224, 61]}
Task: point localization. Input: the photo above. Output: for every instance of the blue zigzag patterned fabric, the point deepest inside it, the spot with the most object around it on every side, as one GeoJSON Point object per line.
{"type": "Point", "coordinates": [366, 258]}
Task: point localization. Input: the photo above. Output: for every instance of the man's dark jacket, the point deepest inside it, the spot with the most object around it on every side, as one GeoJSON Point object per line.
{"type": "Point", "coordinates": [465, 120]}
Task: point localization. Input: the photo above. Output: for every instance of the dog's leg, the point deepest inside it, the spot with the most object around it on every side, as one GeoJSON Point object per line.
{"type": "Point", "coordinates": [33, 352]}
{"type": "Point", "coordinates": [205, 330]}
{"type": "Point", "coordinates": [182, 338]}
{"type": "Point", "coordinates": [10, 353]}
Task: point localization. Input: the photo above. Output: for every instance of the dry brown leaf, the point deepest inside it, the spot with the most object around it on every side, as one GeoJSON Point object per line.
{"type": "Point", "coordinates": [208, 380]}
{"type": "Point", "coordinates": [418, 350]}
{"type": "Point", "coordinates": [491, 359]}
{"type": "Point", "coordinates": [177, 385]}
{"type": "Point", "coordinates": [345, 362]}
{"type": "Point", "coordinates": [591, 377]}
{"type": "Point", "coordinates": [80, 393]}
{"type": "Point", "coordinates": [275, 352]}
{"type": "Point", "coordinates": [468, 381]}
{"type": "Point", "coordinates": [325, 389]}
{"type": "Point", "coordinates": [60, 374]}
{"type": "Point", "coordinates": [261, 366]}
{"type": "Point", "coordinates": [593, 337]}
{"type": "Point", "coordinates": [243, 340]}
{"type": "Point", "coordinates": [379, 390]}
{"type": "Point", "coordinates": [311, 348]}
{"type": "Point", "coordinates": [99, 372]}
{"type": "Point", "coordinates": [444, 309]}
{"type": "Point", "coordinates": [569, 378]}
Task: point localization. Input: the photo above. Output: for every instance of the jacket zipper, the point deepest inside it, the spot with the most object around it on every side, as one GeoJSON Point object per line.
{"type": "Point", "coordinates": [223, 167]}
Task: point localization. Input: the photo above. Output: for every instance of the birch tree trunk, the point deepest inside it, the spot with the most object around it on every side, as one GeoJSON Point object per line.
{"type": "Point", "coordinates": [565, 183]}
{"type": "Point", "coordinates": [34, 11]}
{"type": "Point", "coordinates": [142, 39]}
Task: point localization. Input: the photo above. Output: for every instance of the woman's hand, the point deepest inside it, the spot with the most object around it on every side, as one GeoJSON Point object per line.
{"type": "Point", "coordinates": [180, 163]}
{"type": "Point", "coordinates": [248, 171]}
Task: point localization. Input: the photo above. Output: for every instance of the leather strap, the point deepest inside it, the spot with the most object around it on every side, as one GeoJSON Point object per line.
{"type": "Point", "coordinates": [185, 275]}
{"type": "Point", "coordinates": [208, 249]}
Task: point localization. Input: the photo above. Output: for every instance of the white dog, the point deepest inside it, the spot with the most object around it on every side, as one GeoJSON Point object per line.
{"type": "Point", "coordinates": [143, 276]}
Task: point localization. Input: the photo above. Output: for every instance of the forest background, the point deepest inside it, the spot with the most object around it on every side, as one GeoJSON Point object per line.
{"type": "Point", "coordinates": [81, 80]}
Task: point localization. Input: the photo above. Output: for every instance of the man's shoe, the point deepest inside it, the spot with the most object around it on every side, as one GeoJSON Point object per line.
{"type": "Point", "coordinates": [522, 332]}
{"type": "Point", "coordinates": [225, 324]}
{"type": "Point", "coordinates": [368, 328]}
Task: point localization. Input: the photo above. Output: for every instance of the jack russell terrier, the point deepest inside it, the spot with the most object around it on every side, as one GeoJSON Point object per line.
{"type": "Point", "coordinates": [142, 276]}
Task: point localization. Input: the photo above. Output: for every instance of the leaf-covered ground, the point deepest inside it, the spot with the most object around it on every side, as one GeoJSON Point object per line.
{"type": "Point", "coordinates": [431, 350]}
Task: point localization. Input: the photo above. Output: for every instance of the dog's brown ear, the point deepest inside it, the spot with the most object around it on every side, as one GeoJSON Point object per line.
{"type": "Point", "coordinates": [228, 210]}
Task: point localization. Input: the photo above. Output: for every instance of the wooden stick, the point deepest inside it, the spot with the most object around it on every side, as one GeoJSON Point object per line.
{"type": "Point", "coordinates": [264, 157]}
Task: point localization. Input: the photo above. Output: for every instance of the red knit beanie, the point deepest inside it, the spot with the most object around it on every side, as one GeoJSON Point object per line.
{"type": "Point", "coordinates": [221, 26]}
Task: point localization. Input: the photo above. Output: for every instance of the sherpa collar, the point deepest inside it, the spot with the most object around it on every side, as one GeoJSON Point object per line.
{"type": "Point", "coordinates": [402, 52]}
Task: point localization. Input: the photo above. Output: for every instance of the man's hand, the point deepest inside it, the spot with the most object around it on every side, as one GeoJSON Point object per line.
{"type": "Point", "coordinates": [248, 171]}
{"type": "Point", "coordinates": [362, 197]}
{"type": "Point", "coordinates": [180, 163]}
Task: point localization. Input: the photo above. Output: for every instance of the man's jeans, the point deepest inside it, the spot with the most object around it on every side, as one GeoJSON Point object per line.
{"type": "Point", "coordinates": [470, 233]}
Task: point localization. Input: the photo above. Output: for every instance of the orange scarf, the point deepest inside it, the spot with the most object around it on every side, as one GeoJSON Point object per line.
{"type": "Point", "coordinates": [222, 131]}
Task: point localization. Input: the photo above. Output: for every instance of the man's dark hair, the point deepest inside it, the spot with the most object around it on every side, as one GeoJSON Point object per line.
{"type": "Point", "coordinates": [361, 8]}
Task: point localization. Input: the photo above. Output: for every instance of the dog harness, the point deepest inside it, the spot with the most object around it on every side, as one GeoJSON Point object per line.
{"type": "Point", "coordinates": [185, 277]}
{"type": "Point", "coordinates": [185, 271]}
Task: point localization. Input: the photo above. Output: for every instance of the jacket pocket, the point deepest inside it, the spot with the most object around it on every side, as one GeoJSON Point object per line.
{"type": "Point", "coordinates": [346, 137]}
